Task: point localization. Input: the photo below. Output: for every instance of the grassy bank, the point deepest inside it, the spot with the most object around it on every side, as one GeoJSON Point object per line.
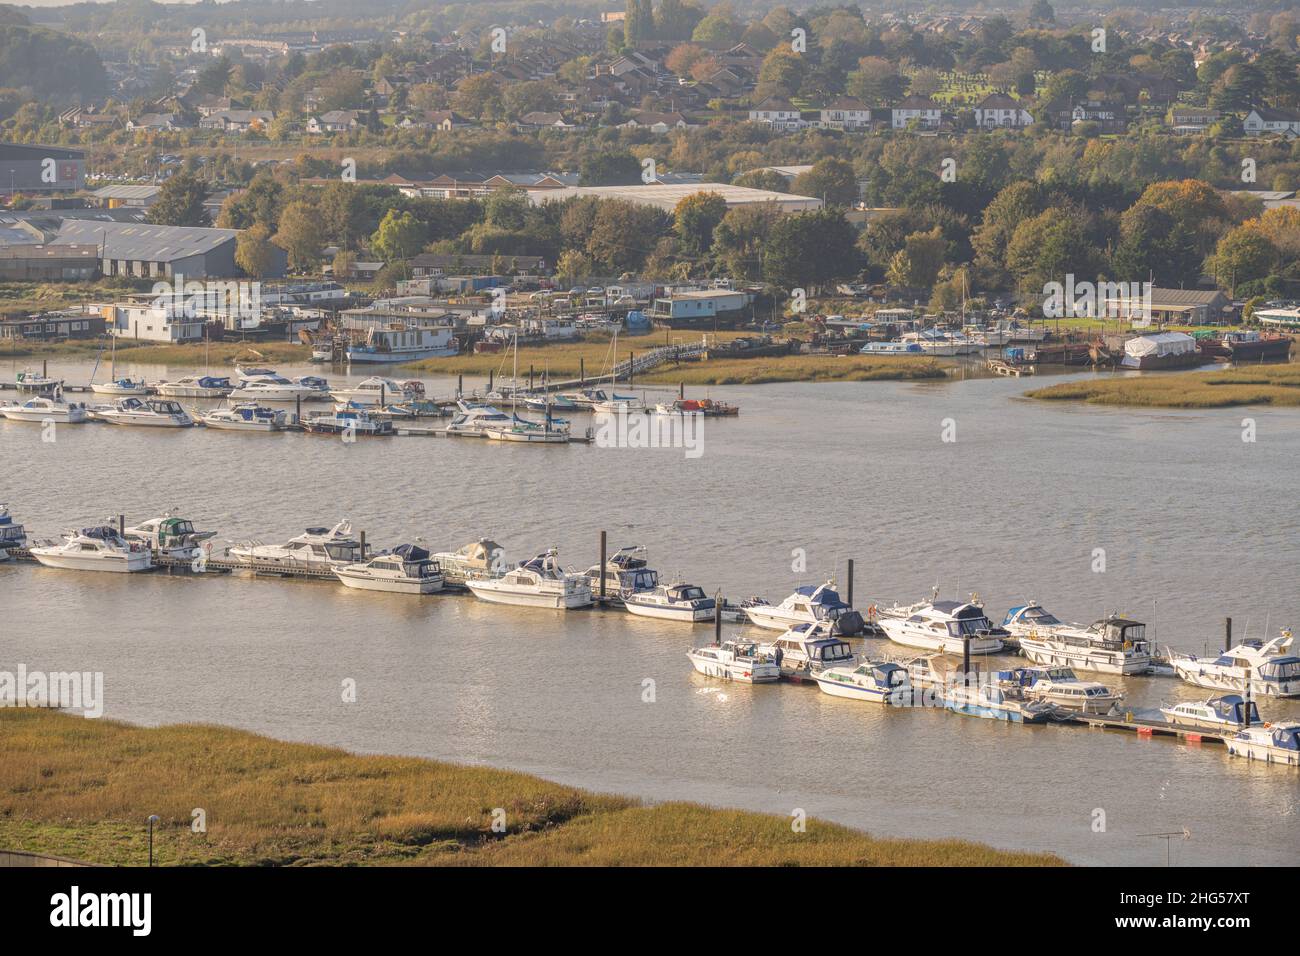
{"type": "Point", "coordinates": [1259, 385]}
{"type": "Point", "coordinates": [194, 353]}
{"type": "Point", "coordinates": [798, 368]}
{"type": "Point", "coordinates": [84, 788]}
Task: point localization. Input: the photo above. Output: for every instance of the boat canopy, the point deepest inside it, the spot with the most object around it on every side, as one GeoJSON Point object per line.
{"type": "Point", "coordinates": [1229, 708]}
{"type": "Point", "coordinates": [1286, 736]}
{"type": "Point", "coordinates": [411, 552]}
{"type": "Point", "coordinates": [821, 595]}
{"type": "Point", "coordinates": [101, 533]}
{"type": "Point", "coordinates": [1279, 669]}
{"type": "Point", "coordinates": [1030, 614]}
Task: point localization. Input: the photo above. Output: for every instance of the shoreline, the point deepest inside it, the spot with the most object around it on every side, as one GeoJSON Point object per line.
{"type": "Point", "coordinates": [81, 789]}
{"type": "Point", "coordinates": [1276, 386]}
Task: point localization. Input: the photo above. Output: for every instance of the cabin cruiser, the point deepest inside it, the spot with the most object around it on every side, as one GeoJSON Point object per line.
{"type": "Point", "coordinates": [475, 419]}
{"type": "Point", "coordinates": [806, 605]}
{"type": "Point", "coordinates": [550, 403]}
{"type": "Point", "coordinates": [626, 570]}
{"type": "Point", "coordinates": [277, 388]}
{"type": "Point", "coordinates": [12, 536]}
{"type": "Point", "coordinates": [196, 386]}
{"type": "Point", "coordinates": [589, 398]}
{"type": "Point", "coordinates": [805, 649]}
{"type": "Point", "coordinates": [1277, 742]}
{"type": "Point", "coordinates": [246, 416]}
{"type": "Point", "coordinates": [1113, 645]}
{"type": "Point", "coordinates": [318, 549]}
{"type": "Point", "coordinates": [672, 602]}
{"type": "Point", "coordinates": [42, 409]}
{"type": "Point", "coordinates": [537, 433]}
{"type": "Point", "coordinates": [95, 549]}
{"type": "Point", "coordinates": [619, 405]}
{"type": "Point", "coordinates": [734, 660]}
{"type": "Point", "coordinates": [1002, 698]}
{"type": "Point", "coordinates": [358, 422]}
{"type": "Point", "coordinates": [540, 582]}
{"type": "Point", "coordinates": [941, 343]}
{"type": "Point", "coordinates": [883, 682]}
{"type": "Point", "coordinates": [155, 412]}
{"type": "Point", "coordinates": [378, 391]}
{"type": "Point", "coordinates": [943, 626]}
{"type": "Point", "coordinates": [892, 348]}
{"type": "Point", "coordinates": [407, 569]}
{"type": "Point", "coordinates": [1060, 686]}
{"type": "Point", "coordinates": [1229, 712]}
{"type": "Point", "coordinates": [1269, 672]}
{"type": "Point", "coordinates": [122, 386]}
{"type": "Point", "coordinates": [29, 382]}
{"type": "Point", "coordinates": [170, 537]}
{"type": "Point", "coordinates": [481, 558]}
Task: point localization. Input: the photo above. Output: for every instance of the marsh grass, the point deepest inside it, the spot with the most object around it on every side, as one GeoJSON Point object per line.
{"type": "Point", "coordinates": [84, 789]}
{"type": "Point", "coordinates": [1255, 385]}
{"type": "Point", "coordinates": [193, 353]}
{"type": "Point", "coordinates": [798, 368]}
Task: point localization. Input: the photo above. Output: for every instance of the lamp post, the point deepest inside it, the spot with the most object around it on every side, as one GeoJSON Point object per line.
{"type": "Point", "coordinates": [153, 818]}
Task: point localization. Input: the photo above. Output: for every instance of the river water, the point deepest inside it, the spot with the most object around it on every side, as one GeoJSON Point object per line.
{"type": "Point", "coordinates": [1195, 524]}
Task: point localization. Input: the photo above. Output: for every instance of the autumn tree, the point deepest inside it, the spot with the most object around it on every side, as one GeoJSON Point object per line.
{"type": "Point", "coordinates": [300, 234]}
{"type": "Point", "coordinates": [180, 202]}
{"type": "Point", "coordinates": [254, 252]}
{"type": "Point", "coordinates": [695, 218]}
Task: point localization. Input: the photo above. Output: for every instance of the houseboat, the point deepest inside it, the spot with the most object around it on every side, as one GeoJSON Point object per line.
{"type": "Point", "coordinates": [402, 343]}
{"type": "Point", "coordinates": [1161, 350]}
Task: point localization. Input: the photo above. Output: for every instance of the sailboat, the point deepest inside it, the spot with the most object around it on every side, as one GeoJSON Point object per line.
{"type": "Point", "coordinates": [115, 385]}
{"type": "Point", "coordinates": [516, 429]}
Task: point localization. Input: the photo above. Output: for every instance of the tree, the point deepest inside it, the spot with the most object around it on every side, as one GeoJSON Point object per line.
{"type": "Point", "coordinates": [623, 233]}
{"type": "Point", "coordinates": [1013, 205]}
{"type": "Point", "coordinates": [180, 202]}
{"type": "Point", "coordinates": [638, 22]}
{"type": "Point", "coordinates": [1243, 255]}
{"type": "Point", "coordinates": [342, 212]}
{"type": "Point", "coordinates": [917, 264]}
{"type": "Point", "coordinates": [253, 251]}
{"type": "Point", "coordinates": [807, 250]}
{"type": "Point", "coordinates": [1041, 12]}
{"type": "Point", "coordinates": [738, 240]}
{"type": "Point", "coordinates": [344, 263]}
{"type": "Point", "coordinates": [480, 96]}
{"type": "Point", "coordinates": [300, 234]}
{"type": "Point", "coordinates": [831, 180]}
{"type": "Point", "coordinates": [1191, 203]}
{"type": "Point", "coordinates": [609, 168]}
{"type": "Point", "coordinates": [399, 236]}
{"type": "Point", "coordinates": [695, 218]}
{"type": "Point", "coordinates": [876, 81]}
{"type": "Point", "coordinates": [572, 266]}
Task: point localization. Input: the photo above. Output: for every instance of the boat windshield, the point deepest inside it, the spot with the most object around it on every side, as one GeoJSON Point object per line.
{"type": "Point", "coordinates": [341, 552]}
{"type": "Point", "coordinates": [1036, 615]}
{"type": "Point", "coordinates": [969, 626]}
{"type": "Point", "coordinates": [1286, 668]}
{"type": "Point", "coordinates": [690, 593]}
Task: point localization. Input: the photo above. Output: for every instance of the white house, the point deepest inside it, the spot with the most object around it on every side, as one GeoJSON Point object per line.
{"type": "Point", "coordinates": [1263, 120]}
{"type": "Point", "coordinates": [925, 112]}
{"type": "Point", "coordinates": [846, 112]}
{"type": "Point", "coordinates": [776, 113]}
{"type": "Point", "coordinates": [237, 121]}
{"type": "Point", "coordinates": [334, 121]}
{"type": "Point", "coordinates": [998, 110]}
{"type": "Point", "coordinates": [656, 122]}
{"type": "Point", "coordinates": [153, 323]}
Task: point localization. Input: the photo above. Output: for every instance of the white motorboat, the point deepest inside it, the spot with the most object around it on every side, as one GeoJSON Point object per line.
{"type": "Point", "coordinates": [1260, 669]}
{"type": "Point", "coordinates": [43, 410]}
{"type": "Point", "coordinates": [805, 649]}
{"type": "Point", "coordinates": [891, 348]}
{"type": "Point", "coordinates": [626, 570]}
{"type": "Point", "coordinates": [94, 549]}
{"type": "Point", "coordinates": [1060, 686]}
{"type": "Point", "coordinates": [12, 535]}
{"type": "Point", "coordinates": [541, 582]}
{"type": "Point", "coordinates": [1272, 743]}
{"type": "Point", "coordinates": [356, 422]}
{"type": "Point", "coordinates": [246, 416]}
{"type": "Point", "coordinates": [1113, 645]}
{"type": "Point", "coordinates": [318, 549]}
{"type": "Point", "coordinates": [475, 419]}
{"type": "Point", "coordinates": [734, 660]}
{"type": "Point", "coordinates": [482, 558]}
{"type": "Point", "coordinates": [672, 602]}
{"type": "Point", "coordinates": [155, 412]}
{"type": "Point", "coordinates": [378, 391]}
{"type": "Point", "coordinates": [622, 405]}
{"type": "Point", "coordinates": [276, 388]}
{"type": "Point", "coordinates": [29, 382]}
{"type": "Point", "coordinates": [1002, 698]}
{"type": "Point", "coordinates": [882, 682]}
{"type": "Point", "coordinates": [407, 569]}
{"type": "Point", "coordinates": [806, 605]}
{"type": "Point", "coordinates": [1227, 713]}
{"type": "Point", "coordinates": [196, 386]}
{"type": "Point", "coordinates": [533, 433]}
{"type": "Point", "coordinates": [942, 626]}
{"type": "Point", "coordinates": [171, 537]}
{"type": "Point", "coordinates": [121, 387]}
{"type": "Point", "coordinates": [589, 398]}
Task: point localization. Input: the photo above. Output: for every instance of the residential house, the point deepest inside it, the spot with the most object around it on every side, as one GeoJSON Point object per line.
{"type": "Point", "coordinates": [919, 109]}
{"type": "Point", "coordinates": [656, 122]}
{"type": "Point", "coordinates": [159, 121]}
{"type": "Point", "coordinates": [1265, 120]}
{"type": "Point", "coordinates": [543, 120]}
{"type": "Point", "coordinates": [777, 113]}
{"type": "Point", "coordinates": [845, 112]}
{"type": "Point", "coordinates": [1000, 111]}
{"type": "Point", "coordinates": [1186, 120]}
{"type": "Point", "coordinates": [334, 121]}
{"type": "Point", "coordinates": [444, 121]}
{"type": "Point", "coordinates": [237, 121]}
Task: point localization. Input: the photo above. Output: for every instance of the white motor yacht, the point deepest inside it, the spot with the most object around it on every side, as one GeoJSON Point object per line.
{"type": "Point", "coordinates": [407, 569]}
{"type": "Point", "coordinates": [1002, 698]}
{"type": "Point", "coordinates": [942, 626]}
{"type": "Point", "coordinates": [1278, 742]}
{"type": "Point", "coordinates": [30, 382]}
{"type": "Point", "coordinates": [246, 416]}
{"type": "Point", "coordinates": [626, 570]}
{"type": "Point", "coordinates": [734, 660]}
{"type": "Point", "coordinates": [478, 559]}
{"type": "Point", "coordinates": [476, 419]}
{"type": "Point", "coordinates": [315, 549]}
{"type": "Point", "coordinates": [541, 582]}
{"type": "Point", "coordinates": [1113, 645]}
{"type": "Point", "coordinates": [276, 388]}
{"type": "Point", "coordinates": [45, 410]}
{"type": "Point", "coordinates": [1226, 713]}
{"type": "Point", "coordinates": [882, 682]}
{"type": "Point", "coordinates": [378, 391]}
{"type": "Point", "coordinates": [94, 549]}
{"type": "Point", "coordinates": [170, 537]}
{"type": "Point", "coordinates": [12, 535]}
{"type": "Point", "coordinates": [196, 386]}
{"type": "Point", "coordinates": [1262, 669]}
{"type": "Point", "coordinates": [155, 412]}
{"type": "Point", "coordinates": [806, 605]}
{"type": "Point", "coordinates": [1060, 686]}
{"type": "Point", "coordinates": [672, 602]}
{"type": "Point", "coordinates": [805, 649]}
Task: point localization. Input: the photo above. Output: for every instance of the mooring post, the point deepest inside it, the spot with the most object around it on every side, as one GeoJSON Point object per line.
{"type": "Point", "coordinates": [965, 659]}
{"type": "Point", "coordinates": [382, 403]}
{"type": "Point", "coordinates": [1227, 633]}
{"type": "Point", "coordinates": [297, 410]}
{"type": "Point", "coordinates": [849, 596]}
{"type": "Point", "coordinates": [631, 368]}
{"type": "Point", "coordinates": [681, 390]}
{"type": "Point", "coordinates": [717, 618]}
{"type": "Point", "coordinates": [363, 546]}
{"type": "Point", "coordinates": [582, 371]}
{"type": "Point", "coordinates": [121, 526]}
{"type": "Point", "coordinates": [490, 375]}
{"type": "Point", "coordinates": [602, 567]}
{"type": "Point", "coordinates": [460, 384]}
{"type": "Point", "coordinates": [530, 378]}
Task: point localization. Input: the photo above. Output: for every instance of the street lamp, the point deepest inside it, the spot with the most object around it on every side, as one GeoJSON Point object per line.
{"type": "Point", "coordinates": [153, 818]}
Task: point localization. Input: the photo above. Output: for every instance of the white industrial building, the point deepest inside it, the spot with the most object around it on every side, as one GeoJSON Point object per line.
{"type": "Point", "coordinates": [667, 196]}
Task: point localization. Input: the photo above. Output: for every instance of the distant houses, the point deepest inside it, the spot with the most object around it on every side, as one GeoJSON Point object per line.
{"type": "Point", "coordinates": [1000, 111]}
{"type": "Point", "coordinates": [1263, 120]}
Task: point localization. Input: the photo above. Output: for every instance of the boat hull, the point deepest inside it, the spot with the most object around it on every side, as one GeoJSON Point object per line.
{"type": "Point", "coordinates": [125, 563]}
{"type": "Point", "coordinates": [240, 426]}
{"type": "Point", "coordinates": [1264, 752]}
{"type": "Point", "coordinates": [487, 591]}
{"type": "Point", "coordinates": [356, 357]}
{"type": "Point", "coordinates": [836, 688]}
{"type": "Point", "coordinates": [687, 615]}
{"type": "Point", "coordinates": [1190, 673]}
{"type": "Point", "coordinates": [393, 585]}
{"type": "Point", "coordinates": [740, 673]}
{"type": "Point", "coordinates": [1102, 662]}
{"type": "Point", "coordinates": [947, 645]}
{"type": "Point", "coordinates": [73, 416]}
{"type": "Point", "coordinates": [142, 421]}
{"type": "Point", "coordinates": [1012, 715]}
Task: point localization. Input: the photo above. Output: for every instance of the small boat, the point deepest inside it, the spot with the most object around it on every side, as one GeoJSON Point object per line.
{"type": "Point", "coordinates": [481, 558]}
{"type": "Point", "coordinates": [933, 671]}
{"type": "Point", "coordinates": [99, 548]}
{"type": "Point", "coordinates": [406, 569]}
{"type": "Point", "coordinates": [358, 423]}
{"type": "Point", "coordinates": [697, 406]}
{"type": "Point", "coordinates": [1228, 712]}
{"type": "Point", "coordinates": [627, 570]}
{"type": "Point", "coordinates": [553, 403]}
{"type": "Point", "coordinates": [475, 419]}
{"type": "Point", "coordinates": [621, 405]}
{"type": "Point", "coordinates": [589, 398]}
{"type": "Point", "coordinates": [882, 682]}
{"type": "Point", "coordinates": [276, 388]}
{"type": "Point", "coordinates": [672, 602]}
{"type": "Point", "coordinates": [1277, 742]}
{"type": "Point", "coordinates": [29, 382]}
{"type": "Point", "coordinates": [1014, 362]}
{"type": "Point", "coordinates": [155, 412]}
{"type": "Point", "coordinates": [807, 605]}
{"type": "Point", "coordinates": [1060, 686]}
{"type": "Point", "coordinates": [12, 536]}
{"type": "Point", "coordinates": [246, 416]}
{"type": "Point", "coordinates": [377, 390]}
{"type": "Point", "coordinates": [1260, 669]}
{"type": "Point", "coordinates": [1246, 345]}
{"type": "Point", "coordinates": [734, 660]}
{"type": "Point", "coordinates": [42, 410]}
{"type": "Point", "coordinates": [805, 649]}
{"type": "Point", "coordinates": [1113, 645]}
{"type": "Point", "coordinates": [999, 699]}
{"type": "Point", "coordinates": [318, 549]}
{"type": "Point", "coordinates": [891, 348]}
{"type": "Point", "coordinates": [551, 432]}
{"type": "Point", "coordinates": [540, 582]}
{"type": "Point", "coordinates": [322, 352]}
{"type": "Point", "coordinates": [122, 386]}
{"type": "Point", "coordinates": [943, 626]}
{"type": "Point", "coordinates": [170, 537]}
{"type": "Point", "coordinates": [196, 386]}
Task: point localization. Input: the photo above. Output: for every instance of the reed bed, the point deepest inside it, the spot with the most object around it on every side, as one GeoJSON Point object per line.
{"type": "Point", "coordinates": [798, 368]}
{"type": "Point", "coordinates": [84, 789]}
{"type": "Point", "coordinates": [1257, 385]}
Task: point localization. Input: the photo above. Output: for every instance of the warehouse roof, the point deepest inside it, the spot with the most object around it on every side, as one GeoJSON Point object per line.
{"type": "Point", "coordinates": [49, 251]}
{"type": "Point", "coordinates": [667, 196]}
{"type": "Point", "coordinates": [146, 191]}
{"type": "Point", "coordinates": [23, 152]}
{"type": "Point", "coordinates": [145, 242]}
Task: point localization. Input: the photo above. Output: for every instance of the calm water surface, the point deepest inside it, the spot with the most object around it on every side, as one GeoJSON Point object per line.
{"type": "Point", "coordinates": [1196, 524]}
